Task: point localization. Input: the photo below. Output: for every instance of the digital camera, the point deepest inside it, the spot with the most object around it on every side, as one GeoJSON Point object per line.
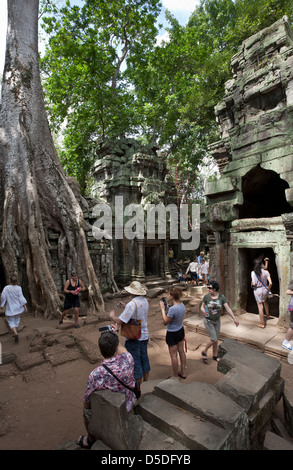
{"type": "Point", "coordinates": [107, 328]}
{"type": "Point", "coordinates": [165, 303]}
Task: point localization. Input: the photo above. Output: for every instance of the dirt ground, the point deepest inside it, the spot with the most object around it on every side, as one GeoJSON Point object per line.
{"type": "Point", "coordinates": [41, 404]}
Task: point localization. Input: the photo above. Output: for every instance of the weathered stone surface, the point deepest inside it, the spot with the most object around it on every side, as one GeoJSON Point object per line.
{"type": "Point", "coordinates": [125, 429]}
{"type": "Point", "coordinates": [288, 410]}
{"type": "Point", "coordinates": [153, 439]}
{"type": "Point", "coordinates": [30, 360]}
{"type": "Point", "coordinates": [192, 431]}
{"type": "Point", "coordinates": [255, 154]}
{"type": "Point", "coordinates": [90, 351]}
{"type": "Point", "coordinates": [7, 358]}
{"type": "Point", "coordinates": [205, 401]}
{"type": "Point", "coordinates": [275, 442]}
{"type": "Point", "coordinates": [58, 354]}
{"type": "Point", "coordinates": [152, 293]}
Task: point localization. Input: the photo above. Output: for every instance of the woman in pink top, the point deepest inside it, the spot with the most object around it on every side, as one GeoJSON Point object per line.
{"type": "Point", "coordinates": [261, 283]}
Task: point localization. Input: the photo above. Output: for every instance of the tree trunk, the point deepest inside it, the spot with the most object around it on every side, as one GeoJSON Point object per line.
{"type": "Point", "coordinates": [35, 194]}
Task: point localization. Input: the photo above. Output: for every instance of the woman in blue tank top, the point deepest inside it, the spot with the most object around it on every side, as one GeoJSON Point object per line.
{"type": "Point", "coordinates": [173, 317]}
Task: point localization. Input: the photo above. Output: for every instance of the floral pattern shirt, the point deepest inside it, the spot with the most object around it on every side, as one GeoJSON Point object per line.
{"type": "Point", "coordinates": [122, 366]}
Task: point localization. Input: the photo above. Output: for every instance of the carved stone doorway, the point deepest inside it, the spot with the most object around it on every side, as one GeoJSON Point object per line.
{"type": "Point", "coordinates": [152, 260]}
{"type": "Point", "coordinates": [248, 256]}
{"type": "Point", "coordinates": [268, 238]}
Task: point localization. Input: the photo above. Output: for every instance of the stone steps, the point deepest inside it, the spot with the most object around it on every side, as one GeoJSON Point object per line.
{"type": "Point", "coordinates": [186, 428]}
{"type": "Point", "coordinates": [192, 413]}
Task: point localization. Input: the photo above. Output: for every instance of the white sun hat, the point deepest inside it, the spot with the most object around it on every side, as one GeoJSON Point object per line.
{"type": "Point", "coordinates": [135, 288]}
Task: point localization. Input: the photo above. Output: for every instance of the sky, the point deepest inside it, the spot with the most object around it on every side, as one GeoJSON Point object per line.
{"type": "Point", "coordinates": [181, 9]}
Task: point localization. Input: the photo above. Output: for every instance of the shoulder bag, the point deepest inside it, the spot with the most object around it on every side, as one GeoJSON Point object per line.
{"type": "Point", "coordinates": [270, 294]}
{"type": "Point", "coordinates": [135, 390]}
{"type": "Point", "coordinates": [132, 329]}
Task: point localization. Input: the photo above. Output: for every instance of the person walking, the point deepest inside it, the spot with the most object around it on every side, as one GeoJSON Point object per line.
{"type": "Point", "coordinates": [193, 269]}
{"type": "Point", "coordinates": [212, 306]}
{"type": "Point", "coordinates": [15, 302]}
{"type": "Point", "coordinates": [261, 283]}
{"type": "Point", "coordinates": [137, 308]}
{"type": "Point", "coordinates": [173, 317]}
{"type": "Point", "coordinates": [71, 289]}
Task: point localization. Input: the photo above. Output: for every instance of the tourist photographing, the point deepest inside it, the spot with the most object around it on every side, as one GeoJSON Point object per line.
{"type": "Point", "coordinates": [71, 289]}
{"type": "Point", "coordinates": [136, 309]}
{"type": "Point", "coordinates": [173, 317]}
{"type": "Point", "coordinates": [212, 307]}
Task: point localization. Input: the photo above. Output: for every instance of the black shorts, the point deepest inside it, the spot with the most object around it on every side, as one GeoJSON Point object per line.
{"type": "Point", "coordinates": [174, 337]}
{"type": "Point", "coordinates": [71, 301]}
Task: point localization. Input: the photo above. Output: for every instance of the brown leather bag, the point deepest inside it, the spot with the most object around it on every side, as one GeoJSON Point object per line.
{"type": "Point", "coordinates": [132, 329]}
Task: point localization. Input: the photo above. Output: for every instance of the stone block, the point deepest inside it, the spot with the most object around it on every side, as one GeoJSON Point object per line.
{"type": "Point", "coordinates": [205, 401]}
{"type": "Point", "coordinates": [153, 439]}
{"type": "Point", "coordinates": [89, 350]}
{"type": "Point", "coordinates": [30, 360]}
{"type": "Point", "coordinates": [275, 442]}
{"type": "Point", "coordinates": [190, 430]}
{"type": "Point", "coordinates": [234, 353]}
{"type": "Point", "coordinates": [58, 354]}
{"type": "Point", "coordinates": [111, 422]}
{"type": "Point", "coordinates": [243, 385]}
{"type": "Point", "coordinates": [288, 410]}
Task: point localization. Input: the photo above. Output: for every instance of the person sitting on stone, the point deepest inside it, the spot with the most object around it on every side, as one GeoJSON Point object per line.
{"type": "Point", "coordinates": [121, 363]}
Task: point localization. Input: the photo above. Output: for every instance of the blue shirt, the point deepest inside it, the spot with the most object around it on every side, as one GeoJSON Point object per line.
{"type": "Point", "coordinates": [177, 313]}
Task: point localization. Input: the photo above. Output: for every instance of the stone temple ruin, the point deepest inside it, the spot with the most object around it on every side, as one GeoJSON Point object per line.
{"type": "Point", "coordinates": [138, 175]}
{"type": "Point", "coordinates": [250, 208]}
{"type": "Point", "coordinates": [249, 211]}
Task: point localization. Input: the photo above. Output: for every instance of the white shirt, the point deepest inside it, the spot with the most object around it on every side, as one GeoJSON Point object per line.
{"type": "Point", "coordinates": [205, 268]}
{"type": "Point", "coordinates": [13, 298]}
{"type": "Point", "coordinates": [137, 308]}
{"type": "Point", "coordinates": [192, 267]}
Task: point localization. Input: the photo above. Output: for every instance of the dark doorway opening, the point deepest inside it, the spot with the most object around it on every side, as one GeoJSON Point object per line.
{"type": "Point", "coordinates": [151, 260]}
{"type": "Point", "coordinates": [250, 255]}
{"type": "Point", "coordinates": [263, 195]}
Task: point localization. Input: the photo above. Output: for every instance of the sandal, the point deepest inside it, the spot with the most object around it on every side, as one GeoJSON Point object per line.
{"type": "Point", "coordinates": [216, 358]}
{"type": "Point", "coordinates": [204, 357]}
{"type": "Point", "coordinates": [182, 376]}
{"type": "Point", "coordinates": [81, 443]}
{"type": "Point", "coordinates": [261, 326]}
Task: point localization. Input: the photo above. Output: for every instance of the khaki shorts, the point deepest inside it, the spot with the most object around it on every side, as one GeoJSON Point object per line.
{"type": "Point", "coordinates": [213, 328]}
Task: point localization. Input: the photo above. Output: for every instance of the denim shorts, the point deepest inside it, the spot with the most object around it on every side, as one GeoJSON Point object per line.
{"type": "Point", "coordinates": [138, 350]}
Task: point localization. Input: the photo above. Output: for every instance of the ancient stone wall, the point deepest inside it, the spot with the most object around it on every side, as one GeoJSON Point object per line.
{"type": "Point", "coordinates": [250, 208]}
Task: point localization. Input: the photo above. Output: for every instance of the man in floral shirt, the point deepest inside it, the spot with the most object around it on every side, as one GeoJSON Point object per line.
{"type": "Point", "coordinates": [121, 363]}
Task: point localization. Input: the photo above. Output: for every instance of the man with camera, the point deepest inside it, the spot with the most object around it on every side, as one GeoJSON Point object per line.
{"type": "Point", "coordinates": [137, 309]}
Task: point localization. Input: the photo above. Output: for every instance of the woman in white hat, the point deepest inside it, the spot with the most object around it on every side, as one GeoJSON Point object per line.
{"type": "Point", "coordinates": [138, 308]}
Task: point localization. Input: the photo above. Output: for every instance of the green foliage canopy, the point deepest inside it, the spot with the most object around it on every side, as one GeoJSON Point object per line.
{"type": "Point", "coordinates": [166, 93]}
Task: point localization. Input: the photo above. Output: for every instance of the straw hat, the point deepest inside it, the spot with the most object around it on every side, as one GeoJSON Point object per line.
{"type": "Point", "coordinates": [135, 288]}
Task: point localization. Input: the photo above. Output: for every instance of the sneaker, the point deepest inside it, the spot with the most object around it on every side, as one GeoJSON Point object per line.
{"type": "Point", "coordinates": [287, 345]}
